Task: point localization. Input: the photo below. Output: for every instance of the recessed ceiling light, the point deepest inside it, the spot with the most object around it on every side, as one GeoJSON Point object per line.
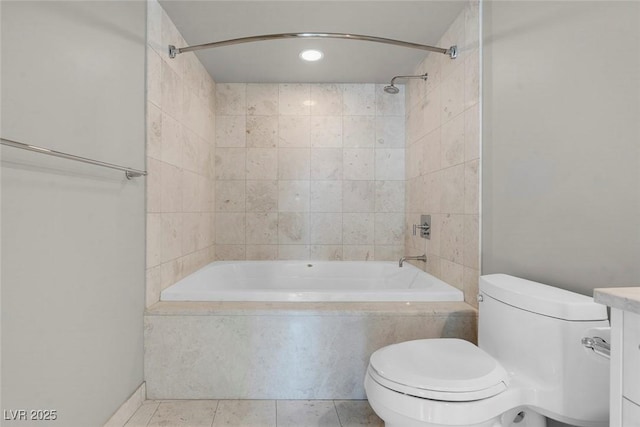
{"type": "Point", "coordinates": [311, 55]}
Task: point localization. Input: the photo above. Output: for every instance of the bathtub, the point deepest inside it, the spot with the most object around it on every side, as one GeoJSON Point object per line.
{"type": "Point", "coordinates": [290, 329]}
{"type": "Point", "coordinates": [310, 281]}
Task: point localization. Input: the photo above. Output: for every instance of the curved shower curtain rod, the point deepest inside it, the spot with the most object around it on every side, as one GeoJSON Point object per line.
{"type": "Point", "coordinates": [452, 51]}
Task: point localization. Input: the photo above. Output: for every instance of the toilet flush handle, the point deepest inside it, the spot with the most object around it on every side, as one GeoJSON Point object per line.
{"type": "Point", "coordinates": [598, 345]}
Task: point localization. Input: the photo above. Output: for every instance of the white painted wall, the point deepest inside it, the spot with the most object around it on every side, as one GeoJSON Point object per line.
{"type": "Point", "coordinates": [72, 235]}
{"type": "Point", "coordinates": [561, 142]}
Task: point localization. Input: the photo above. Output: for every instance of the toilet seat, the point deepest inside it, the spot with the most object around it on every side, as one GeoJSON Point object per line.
{"type": "Point", "coordinates": [440, 369]}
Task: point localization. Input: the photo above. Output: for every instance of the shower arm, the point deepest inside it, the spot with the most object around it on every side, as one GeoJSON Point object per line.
{"type": "Point", "coordinates": [421, 76]}
{"type": "Point", "coordinates": [452, 51]}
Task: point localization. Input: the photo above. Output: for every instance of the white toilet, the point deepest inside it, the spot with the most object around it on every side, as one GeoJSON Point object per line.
{"type": "Point", "coordinates": [530, 363]}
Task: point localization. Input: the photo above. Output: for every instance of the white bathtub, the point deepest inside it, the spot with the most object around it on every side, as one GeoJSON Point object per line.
{"type": "Point", "coordinates": [307, 281]}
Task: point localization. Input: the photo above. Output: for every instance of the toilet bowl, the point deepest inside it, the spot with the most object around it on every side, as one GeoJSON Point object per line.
{"type": "Point", "coordinates": [529, 365]}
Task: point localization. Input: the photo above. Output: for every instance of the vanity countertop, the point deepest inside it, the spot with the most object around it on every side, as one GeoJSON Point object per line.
{"type": "Point", "coordinates": [627, 299]}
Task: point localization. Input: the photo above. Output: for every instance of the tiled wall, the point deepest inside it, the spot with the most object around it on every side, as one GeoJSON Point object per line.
{"type": "Point", "coordinates": [180, 149]}
{"type": "Point", "coordinates": [443, 157]}
{"type": "Point", "coordinates": [309, 171]}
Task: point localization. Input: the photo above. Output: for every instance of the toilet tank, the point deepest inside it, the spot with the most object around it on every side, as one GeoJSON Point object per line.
{"type": "Point", "coordinates": [535, 332]}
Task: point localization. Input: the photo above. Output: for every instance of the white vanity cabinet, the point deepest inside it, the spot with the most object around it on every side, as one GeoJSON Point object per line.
{"type": "Point", "coordinates": [625, 353]}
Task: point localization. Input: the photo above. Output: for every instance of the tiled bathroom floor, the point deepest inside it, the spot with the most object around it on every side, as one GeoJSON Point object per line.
{"type": "Point", "coordinates": [255, 413]}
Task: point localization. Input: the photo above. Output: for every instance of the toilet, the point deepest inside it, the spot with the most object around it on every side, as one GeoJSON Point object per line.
{"type": "Point", "coordinates": [530, 364]}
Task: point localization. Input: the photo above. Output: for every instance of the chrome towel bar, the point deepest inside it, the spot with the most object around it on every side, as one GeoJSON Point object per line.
{"type": "Point", "coordinates": [129, 172]}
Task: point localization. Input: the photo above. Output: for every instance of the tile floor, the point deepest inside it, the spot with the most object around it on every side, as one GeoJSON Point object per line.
{"type": "Point", "coordinates": [255, 413]}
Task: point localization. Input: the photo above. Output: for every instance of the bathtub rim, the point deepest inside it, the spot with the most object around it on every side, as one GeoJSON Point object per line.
{"type": "Point", "coordinates": [399, 295]}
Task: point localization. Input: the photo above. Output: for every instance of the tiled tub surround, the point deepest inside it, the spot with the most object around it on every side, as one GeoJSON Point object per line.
{"type": "Point", "coordinates": [309, 171]}
{"type": "Point", "coordinates": [443, 158]}
{"type": "Point", "coordinates": [258, 350]}
{"type": "Point", "coordinates": [180, 149]}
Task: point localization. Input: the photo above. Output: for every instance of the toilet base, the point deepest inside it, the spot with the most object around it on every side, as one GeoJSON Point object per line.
{"type": "Point", "coordinates": [520, 417]}
{"type": "Point", "coordinates": [400, 410]}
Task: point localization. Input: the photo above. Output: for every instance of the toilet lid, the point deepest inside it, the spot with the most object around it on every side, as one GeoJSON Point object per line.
{"type": "Point", "coordinates": [440, 369]}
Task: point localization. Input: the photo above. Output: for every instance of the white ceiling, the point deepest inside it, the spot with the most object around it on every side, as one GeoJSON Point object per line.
{"type": "Point", "coordinates": [345, 61]}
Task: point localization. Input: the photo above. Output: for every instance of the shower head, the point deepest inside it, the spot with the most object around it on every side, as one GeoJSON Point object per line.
{"type": "Point", "coordinates": [392, 89]}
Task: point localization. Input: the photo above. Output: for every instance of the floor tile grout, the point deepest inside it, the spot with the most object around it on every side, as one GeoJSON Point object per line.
{"type": "Point", "coordinates": [352, 408]}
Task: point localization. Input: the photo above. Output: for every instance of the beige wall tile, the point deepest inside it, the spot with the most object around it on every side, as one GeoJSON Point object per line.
{"type": "Point", "coordinates": [453, 86]}
{"type": "Point", "coordinates": [358, 196]}
{"type": "Point", "coordinates": [443, 117]}
{"type": "Point", "coordinates": [294, 131]}
{"type": "Point", "coordinates": [388, 252]}
{"type": "Point", "coordinates": [358, 228]}
{"type": "Point", "coordinates": [294, 163]}
{"type": "Point", "coordinates": [389, 196]}
{"type": "Point", "coordinates": [262, 99]}
{"type": "Point", "coordinates": [358, 164]}
{"type": "Point", "coordinates": [294, 99]}
{"type": "Point", "coordinates": [230, 228]}
{"type": "Point", "coordinates": [171, 184]}
{"type": "Point", "coordinates": [358, 99]}
{"type": "Point", "coordinates": [262, 252]}
{"type": "Point", "coordinates": [154, 240]}
{"type": "Point", "coordinates": [230, 252]}
{"type": "Point", "coordinates": [230, 163]}
{"type": "Point", "coordinates": [293, 196]}
{"type": "Point", "coordinates": [171, 140]}
{"type": "Point", "coordinates": [154, 131]}
{"type": "Point", "coordinates": [154, 78]}
{"type": "Point", "coordinates": [154, 185]}
{"type": "Point", "coordinates": [325, 228]}
{"type": "Point", "coordinates": [262, 163]}
{"type": "Point", "coordinates": [472, 79]}
{"type": "Point", "coordinates": [471, 247]}
{"type": "Point", "coordinates": [171, 90]}
{"type": "Point", "coordinates": [326, 164]}
{"type": "Point", "coordinates": [451, 237]}
{"type": "Point", "coordinates": [325, 196]}
{"type": "Point", "coordinates": [358, 131]}
{"type": "Point", "coordinates": [389, 164]}
{"type": "Point", "coordinates": [293, 228]}
{"type": "Point", "coordinates": [231, 99]}
{"type": "Point", "coordinates": [471, 186]}
{"type": "Point", "coordinates": [231, 131]}
{"type": "Point", "coordinates": [171, 236]}
{"type": "Point", "coordinates": [325, 252]}
{"type": "Point", "coordinates": [262, 131]}
{"type": "Point", "coordinates": [326, 131]}
{"type": "Point", "coordinates": [287, 252]}
{"type": "Point", "coordinates": [389, 229]}
{"type": "Point", "coordinates": [262, 228]}
{"type": "Point", "coordinates": [452, 273]}
{"type": "Point", "coordinates": [472, 133]}
{"type": "Point", "coordinates": [230, 196]}
{"type": "Point", "coordinates": [153, 285]}
{"type": "Point", "coordinates": [452, 189]}
{"type": "Point", "coordinates": [390, 132]}
{"type": "Point", "coordinates": [452, 143]}
{"type": "Point", "coordinates": [262, 196]}
{"type": "Point", "coordinates": [433, 115]}
{"type": "Point", "coordinates": [357, 252]}
{"type": "Point", "coordinates": [470, 280]}
{"type": "Point", "coordinates": [326, 100]}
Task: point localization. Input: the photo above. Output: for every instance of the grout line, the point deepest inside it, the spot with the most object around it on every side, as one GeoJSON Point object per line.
{"type": "Point", "coordinates": [154, 413]}
{"type": "Point", "coordinates": [215, 412]}
{"type": "Point", "coordinates": [335, 408]}
{"type": "Point", "coordinates": [275, 402]}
